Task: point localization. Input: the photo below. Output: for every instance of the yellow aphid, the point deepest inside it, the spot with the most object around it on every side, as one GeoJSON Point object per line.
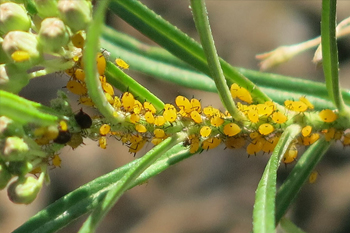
{"type": "Point", "coordinates": [63, 126]}
{"type": "Point", "coordinates": [271, 105]}
{"type": "Point", "coordinates": [76, 87]}
{"type": "Point", "coordinates": [243, 108]}
{"type": "Point", "coordinates": [51, 132]}
{"type": "Point", "coordinates": [86, 101]}
{"type": "Point", "coordinates": [310, 139]}
{"type": "Point", "coordinates": [290, 155]}
{"type": "Point", "coordinates": [149, 117]}
{"type": "Point", "coordinates": [346, 139]}
{"type": "Point", "coordinates": [328, 116]}
{"type": "Point", "coordinates": [140, 128]}
{"type": "Point", "coordinates": [36, 171]}
{"type": "Point", "coordinates": [299, 106]}
{"type": "Point", "coordinates": [102, 79]}
{"type": "Point", "coordinates": [279, 117]}
{"type": "Point", "coordinates": [270, 144]}
{"type": "Point", "coordinates": [39, 131]}
{"type": "Point", "coordinates": [136, 147]}
{"type": "Point", "coordinates": [211, 143]}
{"type": "Point", "coordinates": [121, 63]}
{"type": "Point", "coordinates": [306, 131]}
{"type": "Point", "coordinates": [128, 101]}
{"type": "Point", "coordinates": [169, 107]}
{"type": "Point", "coordinates": [156, 141]}
{"type": "Point", "coordinates": [196, 117]}
{"type": "Point", "coordinates": [70, 71]}
{"type": "Point", "coordinates": [56, 161]}
{"type": "Point", "coordinates": [159, 120]}
{"type": "Point", "coordinates": [101, 63]}
{"type": "Point", "coordinates": [79, 74]}
{"type": "Point", "coordinates": [20, 56]}
{"type": "Point", "coordinates": [134, 118]}
{"type": "Point", "coordinates": [137, 107]}
{"type": "Point", "coordinates": [109, 98]}
{"type": "Point", "coordinates": [329, 135]}
{"type": "Point", "coordinates": [170, 115]}
{"type": "Point", "coordinates": [108, 88]}
{"type": "Point", "coordinates": [78, 40]}
{"type": "Point", "coordinates": [266, 129]}
{"type": "Point", "coordinates": [194, 143]}
{"type": "Point", "coordinates": [307, 102]}
{"type": "Point", "coordinates": [241, 93]}
{"type": "Point", "coordinates": [196, 105]}
{"type": "Point", "coordinates": [105, 129]}
{"type": "Point", "coordinates": [313, 177]}
{"type": "Point", "coordinates": [183, 104]}
{"type": "Point", "coordinates": [149, 107]}
{"type": "Point", "coordinates": [254, 135]}
{"type": "Point", "coordinates": [255, 147]}
{"type": "Point", "coordinates": [42, 141]}
{"type": "Point", "coordinates": [159, 133]}
{"type": "Point", "coordinates": [117, 103]}
{"type": "Point", "coordinates": [289, 104]}
{"type": "Point", "coordinates": [210, 111]}
{"type": "Point", "coordinates": [253, 116]}
{"type": "Point", "coordinates": [338, 134]}
{"type": "Point", "coordinates": [216, 120]}
{"type": "Point", "coordinates": [75, 141]}
{"type": "Point", "coordinates": [102, 142]}
{"type": "Point", "coordinates": [205, 131]}
{"type": "Point", "coordinates": [234, 143]}
{"type": "Point", "coordinates": [264, 109]}
{"type": "Point", "coordinates": [231, 129]}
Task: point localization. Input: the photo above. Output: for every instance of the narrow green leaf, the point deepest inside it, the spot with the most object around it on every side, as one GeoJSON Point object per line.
{"type": "Point", "coordinates": [264, 207]}
{"type": "Point", "coordinates": [175, 41]}
{"type": "Point", "coordinates": [125, 83]}
{"type": "Point", "coordinates": [85, 199]}
{"type": "Point", "coordinates": [300, 173]}
{"type": "Point", "coordinates": [289, 227]}
{"type": "Point", "coordinates": [330, 54]}
{"type": "Point", "coordinates": [201, 20]}
{"type": "Point", "coordinates": [25, 111]}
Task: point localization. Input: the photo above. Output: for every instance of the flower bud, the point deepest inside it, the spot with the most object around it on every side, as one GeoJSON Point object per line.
{"type": "Point", "coordinates": [75, 14]}
{"type": "Point", "coordinates": [13, 17]}
{"type": "Point", "coordinates": [20, 168]}
{"type": "Point", "coordinates": [5, 176]}
{"type": "Point", "coordinates": [22, 41]}
{"type": "Point", "coordinates": [46, 8]}
{"type": "Point", "coordinates": [15, 149]}
{"type": "Point", "coordinates": [24, 191]}
{"type": "Point", "coordinates": [53, 35]}
{"type": "Point", "coordinates": [3, 57]}
{"type": "Point", "coordinates": [12, 79]}
{"type": "Point", "coordinates": [9, 128]}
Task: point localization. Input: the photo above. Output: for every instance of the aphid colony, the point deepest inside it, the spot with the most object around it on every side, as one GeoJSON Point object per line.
{"type": "Point", "coordinates": [207, 127]}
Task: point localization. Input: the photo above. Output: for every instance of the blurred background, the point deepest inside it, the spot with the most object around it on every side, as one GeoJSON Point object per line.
{"type": "Point", "coordinates": [213, 191]}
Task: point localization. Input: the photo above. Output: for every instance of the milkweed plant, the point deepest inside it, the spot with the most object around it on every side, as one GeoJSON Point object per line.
{"type": "Point", "coordinates": [277, 117]}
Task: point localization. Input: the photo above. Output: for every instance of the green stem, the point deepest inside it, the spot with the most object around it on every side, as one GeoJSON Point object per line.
{"type": "Point", "coordinates": [93, 83]}
{"type": "Point", "coordinates": [330, 54]}
{"type": "Point", "coordinates": [201, 20]}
